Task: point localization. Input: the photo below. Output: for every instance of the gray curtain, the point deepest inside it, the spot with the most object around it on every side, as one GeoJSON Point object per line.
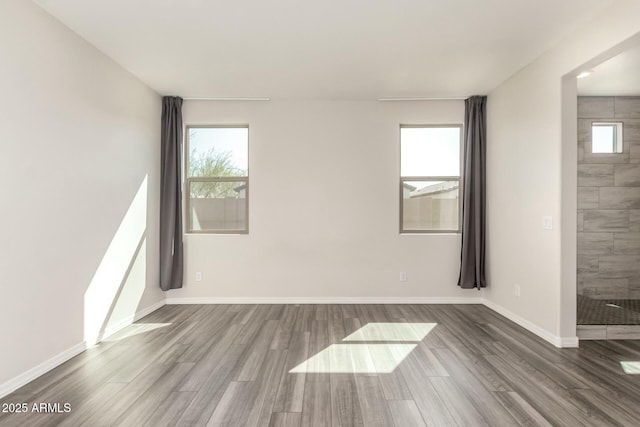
{"type": "Point", "coordinates": [474, 194]}
{"type": "Point", "coordinates": [171, 257]}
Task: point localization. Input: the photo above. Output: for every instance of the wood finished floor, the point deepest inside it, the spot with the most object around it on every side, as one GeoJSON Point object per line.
{"type": "Point", "coordinates": [230, 365]}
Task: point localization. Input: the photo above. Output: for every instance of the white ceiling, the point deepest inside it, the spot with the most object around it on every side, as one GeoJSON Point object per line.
{"type": "Point", "coordinates": [348, 49]}
{"type": "Point", "coordinates": [619, 76]}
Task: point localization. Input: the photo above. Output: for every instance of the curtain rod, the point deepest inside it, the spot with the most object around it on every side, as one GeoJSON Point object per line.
{"type": "Point", "coordinates": [227, 99]}
{"type": "Point", "coordinates": [451, 98]}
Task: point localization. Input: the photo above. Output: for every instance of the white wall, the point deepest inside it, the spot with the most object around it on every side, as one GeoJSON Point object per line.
{"type": "Point", "coordinates": [531, 166]}
{"type": "Point", "coordinates": [323, 206]}
{"type": "Point", "coordinates": [78, 141]}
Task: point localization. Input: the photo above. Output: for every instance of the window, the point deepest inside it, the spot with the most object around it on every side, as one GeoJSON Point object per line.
{"type": "Point", "coordinates": [217, 179]}
{"type": "Point", "coordinates": [430, 163]}
{"type": "Point", "coordinates": [606, 137]}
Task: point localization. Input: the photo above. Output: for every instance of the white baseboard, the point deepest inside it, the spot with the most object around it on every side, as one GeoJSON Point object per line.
{"type": "Point", "coordinates": [560, 342]}
{"type": "Point", "coordinates": [33, 373]}
{"type": "Point", "coordinates": [57, 360]}
{"type": "Point", "coordinates": [569, 342]}
{"type": "Point", "coordinates": [129, 320]}
{"type": "Point", "coordinates": [324, 300]}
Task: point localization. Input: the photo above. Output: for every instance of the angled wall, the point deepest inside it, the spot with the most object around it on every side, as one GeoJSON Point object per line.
{"type": "Point", "coordinates": [79, 162]}
{"type": "Point", "coordinates": [532, 172]}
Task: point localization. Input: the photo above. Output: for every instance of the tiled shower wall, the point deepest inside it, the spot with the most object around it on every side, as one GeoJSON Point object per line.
{"type": "Point", "coordinates": [609, 202]}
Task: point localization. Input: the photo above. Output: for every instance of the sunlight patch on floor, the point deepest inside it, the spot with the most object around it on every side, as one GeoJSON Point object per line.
{"type": "Point", "coordinates": [136, 329]}
{"type": "Point", "coordinates": [356, 359]}
{"type": "Point", "coordinates": [391, 332]}
{"type": "Point", "coordinates": [380, 348]}
{"type": "Point", "coordinates": [631, 368]}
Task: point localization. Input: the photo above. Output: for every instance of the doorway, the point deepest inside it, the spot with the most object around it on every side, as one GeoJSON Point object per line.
{"type": "Point", "coordinates": [608, 215]}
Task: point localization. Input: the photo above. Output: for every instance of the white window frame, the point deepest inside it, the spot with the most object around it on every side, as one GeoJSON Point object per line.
{"type": "Point", "coordinates": [404, 179]}
{"type": "Point", "coordinates": [618, 140]}
{"type": "Point", "coordinates": [190, 179]}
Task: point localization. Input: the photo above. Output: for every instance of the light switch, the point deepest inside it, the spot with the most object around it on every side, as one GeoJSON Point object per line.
{"type": "Point", "coordinates": [547, 223]}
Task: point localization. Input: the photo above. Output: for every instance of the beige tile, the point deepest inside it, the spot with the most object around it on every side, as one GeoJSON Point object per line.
{"type": "Point", "coordinates": [624, 107]}
{"type": "Point", "coordinates": [619, 266]}
{"type": "Point", "coordinates": [592, 332]}
{"type": "Point", "coordinates": [626, 243]}
{"type": "Point", "coordinates": [595, 243]}
{"type": "Point", "coordinates": [606, 220]}
{"type": "Point", "coordinates": [596, 107]}
{"type": "Point", "coordinates": [625, 176]}
{"type": "Point", "coordinates": [596, 175]}
{"type": "Point", "coordinates": [580, 221]}
{"type": "Point", "coordinates": [619, 197]}
{"type": "Point", "coordinates": [588, 197]}
{"type": "Point", "coordinates": [594, 286]}
{"type": "Point", "coordinates": [587, 263]}
{"type": "Point", "coordinates": [587, 292]}
{"type": "Point", "coordinates": [618, 292]}
{"type": "Point", "coordinates": [623, 332]}
{"type": "Point", "coordinates": [604, 158]}
{"type": "Point", "coordinates": [631, 130]}
{"type": "Point", "coordinates": [634, 220]}
{"type": "Point", "coordinates": [584, 131]}
{"type": "Point", "coordinates": [580, 152]}
{"type": "Point", "coordinates": [634, 154]}
{"type": "Point", "coordinates": [634, 288]}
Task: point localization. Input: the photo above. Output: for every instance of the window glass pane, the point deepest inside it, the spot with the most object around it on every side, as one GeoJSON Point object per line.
{"type": "Point", "coordinates": [430, 151]}
{"type": "Point", "coordinates": [606, 138]}
{"type": "Point", "coordinates": [218, 151]}
{"type": "Point", "coordinates": [218, 206]}
{"type": "Point", "coordinates": [430, 205]}
{"type": "Point", "coordinates": [602, 141]}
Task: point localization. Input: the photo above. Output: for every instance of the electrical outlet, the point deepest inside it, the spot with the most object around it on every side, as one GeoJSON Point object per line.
{"type": "Point", "coordinates": [516, 290]}
{"type": "Point", "coordinates": [547, 222]}
{"type": "Point", "coordinates": [198, 276]}
{"type": "Point", "coordinates": [403, 276]}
